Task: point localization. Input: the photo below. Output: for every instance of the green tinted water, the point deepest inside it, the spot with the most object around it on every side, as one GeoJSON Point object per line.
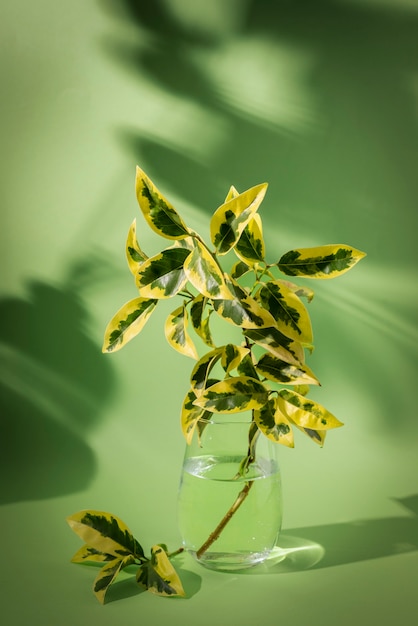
{"type": "Point", "coordinates": [207, 491]}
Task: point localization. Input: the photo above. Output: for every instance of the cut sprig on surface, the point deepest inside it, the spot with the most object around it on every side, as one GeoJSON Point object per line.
{"type": "Point", "coordinates": [109, 541]}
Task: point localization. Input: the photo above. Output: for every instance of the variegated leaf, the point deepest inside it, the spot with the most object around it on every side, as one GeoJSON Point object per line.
{"type": "Point", "coordinates": [292, 318]}
{"type": "Point", "coordinates": [278, 344]}
{"type": "Point", "coordinates": [239, 269]}
{"type": "Point", "coordinates": [134, 255]}
{"type": "Point", "coordinates": [230, 219]}
{"type": "Point", "coordinates": [87, 553]}
{"type": "Point", "coordinates": [158, 212]}
{"type": "Point", "coordinates": [106, 533]}
{"type": "Point", "coordinates": [233, 395]}
{"type": "Point", "coordinates": [306, 413]}
{"type": "Point", "coordinates": [232, 356]}
{"type": "Point", "coordinates": [200, 323]}
{"type": "Point", "coordinates": [301, 292]}
{"type": "Point", "coordinates": [243, 310]}
{"type": "Point", "coordinates": [159, 576]}
{"type": "Point", "coordinates": [202, 369]}
{"type": "Point", "coordinates": [232, 193]}
{"type": "Point", "coordinates": [177, 335]}
{"type": "Point", "coordinates": [163, 276]}
{"type": "Point", "coordinates": [246, 367]}
{"type": "Point", "coordinates": [321, 262]}
{"type": "Point", "coordinates": [191, 415]}
{"type": "Point", "coordinates": [274, 424]}
{"type": "Point", "coordinates": [107, 575]}
{"type": "Point", "coordinates": [205, 274]}
{"type": "Point", "coordinates": [127, 323]}
{"type": "Point", "coordinates": [250, 247]}
{"type": "Point", "coordinates": [281, 372]}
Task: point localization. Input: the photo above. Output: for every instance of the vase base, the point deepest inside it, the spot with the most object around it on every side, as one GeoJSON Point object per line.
{"type": "Point", "coordinates": [223, 561]}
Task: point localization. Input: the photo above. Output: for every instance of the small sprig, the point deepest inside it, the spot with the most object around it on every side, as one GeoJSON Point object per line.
{"type": "Point", "coordinates": [108, 540]}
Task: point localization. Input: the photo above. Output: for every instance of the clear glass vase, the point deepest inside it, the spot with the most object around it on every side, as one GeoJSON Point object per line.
{"type": "Point", "coordinates": [230, 504]}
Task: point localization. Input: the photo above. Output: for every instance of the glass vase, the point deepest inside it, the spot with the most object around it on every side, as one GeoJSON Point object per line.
{"type": "Point", "coordinates": [230, 498]}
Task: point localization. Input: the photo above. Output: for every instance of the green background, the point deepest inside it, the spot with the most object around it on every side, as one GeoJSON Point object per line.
{"type": "Point", "coordinates": [320, 99]}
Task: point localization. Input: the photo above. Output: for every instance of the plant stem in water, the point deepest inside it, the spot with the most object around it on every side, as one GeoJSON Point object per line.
{"type": "Point", "coordinates": [215, 534]}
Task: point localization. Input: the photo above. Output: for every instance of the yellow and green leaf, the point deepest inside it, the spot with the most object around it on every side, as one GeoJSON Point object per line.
{"type": "Point", "coordinates": [233, 395]}
{"type": "Point", "coordinates": [191, 415]}
{"type": "Point", "coordinates": [200, 323]}
{"type": "Point", "coordinates": [107, 575]}
{"type": "Point", "coordinates": [243, 310]}
{"type": "Point", "coordinates": [320, 262]}
{"type": "Point", "coordinates": [277, 344]}
{"type": "Point", "coordinates": [239, 269]}
{"type": "Point", "coordinates": [158, 212]}
{"type": "Point", "coordinates": [177, 335]}
{"type": "Point", "coordinates": [202, 369]}
{"type": "Point", "coordinates": [306, 413]}
{"type": "Point", "coordinates": [250, 247]}
{"type": "Point", "coordinates": [300, 291]}
{"type": "Point", "coordinates": [127, 323]}
{"type": "Point", "coordinates": [159, 576]}
{"type": "Point", "coordinates": [290, 314]}
{"type": "Point", "coordinates": [274, 424]}
{"type": "Point", "coordinates": [106, 533]}
{"type": "Point", "coordinates": [134, 255]}
{"type": "Point", "coordinates": [163, 275]}
{"type": "Point", "coordinates": [281, 372]}
{"type": "Point", "coordinates": [230, 219]}
{"type": "Point", "coordinates": [205, 274]}
{"type": "Point", "coordinates": [232, 356]}
{"type": "Point", "coordinates": [87, 553]}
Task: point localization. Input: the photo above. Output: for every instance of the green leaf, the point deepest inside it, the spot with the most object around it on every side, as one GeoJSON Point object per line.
{"type": "Point", "coordinates": [274, 424]}
{"type": "Point", "coordinates": [292, 318]}
{"type": "Point", "coordinates": [233, 395]}
{"type": "Point", "coordinates": [177, 335]}
{"type": "Point", "coordinates": [159, 576]}
{"type": "Point", "coordinates": [134, 255]}
{"type": "Point", "coordinates": [205, 274]}
{"type": "Point", "coordinates": [107, 575]}
{"type": "Point", "coordinates": [250, 246]}
{"type": "Point", "coordinates": [202, 369]}
{"type": "Point", "coordinates": [106, 533]}
{"type": "Point", "coordinates": [232, 356]}
{"type": "Point", "coordinates": [191, 415]}
{"type": "Point", "coordinates": [230, 219]}
{"type": "Point", "coordinates": [199, 323]}
{"type": "Point", "coordinates": [278, 344]}
{"type": "Point", "coordinates": [306, 413]}
{"type": "Point", "coordinates": [163, 276]}
{"type": "Point", "coordinates": [321, 262]}
{"type": "Point", "coordinates": [281, 372]}
{"type": "Point", "coordinates": [158, 212]}
{"type": "Point", "coordinates": [243, 310]}
{"type": "Point", "coordinates": [127, 323]}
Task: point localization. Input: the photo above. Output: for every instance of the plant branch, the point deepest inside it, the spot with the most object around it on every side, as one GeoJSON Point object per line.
{"type": "Point", "coordinates": [224, 521]}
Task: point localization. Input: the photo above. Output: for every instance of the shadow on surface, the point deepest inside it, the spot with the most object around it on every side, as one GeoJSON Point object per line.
{"type": "Point", "coordinates": [317, 547]}
{"type": "Point", "coordinates": [54, 382]}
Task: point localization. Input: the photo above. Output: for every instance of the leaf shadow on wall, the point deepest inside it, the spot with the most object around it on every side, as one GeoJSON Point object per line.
{"type": "Point", "coordinates": [313, 97]}
{"type": "Point", "coordinates": [318, 99]}
{"type": "Point", "coordinates": [54, 382]}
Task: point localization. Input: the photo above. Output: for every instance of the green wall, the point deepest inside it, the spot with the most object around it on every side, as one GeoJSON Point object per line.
{"type": "Point", "coordinates": [320, 100]}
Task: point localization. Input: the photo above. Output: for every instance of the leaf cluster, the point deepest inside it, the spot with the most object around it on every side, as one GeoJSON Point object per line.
{"type": "Point", "coordinates": [108, 540]}
{"type": "Point", "coordinates": [266, 372]}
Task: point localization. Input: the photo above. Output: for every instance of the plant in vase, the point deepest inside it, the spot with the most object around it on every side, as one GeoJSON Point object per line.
{"type": "Point", "coordinates": [261, 374]}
